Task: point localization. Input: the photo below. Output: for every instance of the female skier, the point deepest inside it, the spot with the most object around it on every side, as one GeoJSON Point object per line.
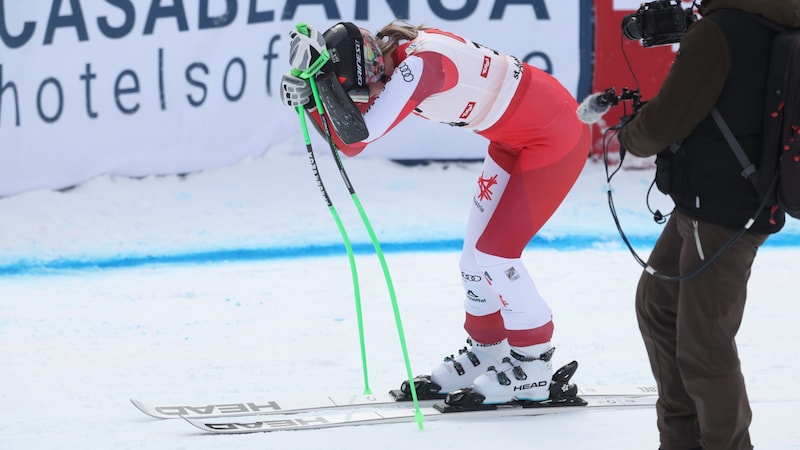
{"type": "Point", "coordinates": [537, 148]}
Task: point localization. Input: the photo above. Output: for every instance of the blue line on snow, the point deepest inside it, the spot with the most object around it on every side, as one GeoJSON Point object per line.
{"type": "Point", "coordinates": [565, 243]}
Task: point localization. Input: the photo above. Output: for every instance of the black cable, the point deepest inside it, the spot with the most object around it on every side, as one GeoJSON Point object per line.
{"type": "Point", "coordinates": [614, 131]}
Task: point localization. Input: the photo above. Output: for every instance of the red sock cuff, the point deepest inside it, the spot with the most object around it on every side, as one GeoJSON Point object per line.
{"type": "Point", "coordinates": [533, 336]}
{"type": "Point", "coordinates": [488, 329]}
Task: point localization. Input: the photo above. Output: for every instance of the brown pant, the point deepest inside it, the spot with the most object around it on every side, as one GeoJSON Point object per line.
{"type": "Point", "coordinates": [688, 328]}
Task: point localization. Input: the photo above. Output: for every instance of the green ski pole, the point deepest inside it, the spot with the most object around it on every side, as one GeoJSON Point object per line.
{"type": "Point", "coordinates": [418, 417]}
{"type": "Point", "coordinates": [345, 239]}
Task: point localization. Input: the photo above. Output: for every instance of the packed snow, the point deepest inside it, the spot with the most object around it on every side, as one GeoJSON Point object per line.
{"type": "Point", "coordinates": [233, 285]}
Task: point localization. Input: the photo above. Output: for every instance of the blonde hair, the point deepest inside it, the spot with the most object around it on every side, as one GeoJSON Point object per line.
{"type": "Point", "coordinates": [390, 36]}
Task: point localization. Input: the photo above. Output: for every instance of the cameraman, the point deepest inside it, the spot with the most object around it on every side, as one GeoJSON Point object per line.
{"type": "Point", "coordinates": [689, 326]}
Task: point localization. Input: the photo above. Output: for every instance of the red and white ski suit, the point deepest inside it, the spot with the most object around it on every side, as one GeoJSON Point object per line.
{"type": "Point", "coordinates": [537, 149]}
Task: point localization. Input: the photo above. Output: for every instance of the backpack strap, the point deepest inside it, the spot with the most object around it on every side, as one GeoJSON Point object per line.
{"type": "Point", "coordinates": [749, 167]}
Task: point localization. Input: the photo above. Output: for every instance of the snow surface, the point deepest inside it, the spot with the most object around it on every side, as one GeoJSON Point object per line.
{"type": "Point", "coordinates": [233, 285]}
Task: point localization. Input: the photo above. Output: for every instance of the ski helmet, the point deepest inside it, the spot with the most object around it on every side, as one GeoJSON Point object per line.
{"type": "Point", "coordinates": [356, 56]}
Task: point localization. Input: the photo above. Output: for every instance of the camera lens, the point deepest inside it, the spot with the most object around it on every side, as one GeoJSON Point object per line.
{"type": "Point", "coordinates": [632, 26]}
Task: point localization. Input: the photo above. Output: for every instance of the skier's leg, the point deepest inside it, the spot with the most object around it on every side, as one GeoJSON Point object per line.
{"type": "Point", "coordinates": [537, 186]}
{"type": "Point", "coordinates": [483, 321]}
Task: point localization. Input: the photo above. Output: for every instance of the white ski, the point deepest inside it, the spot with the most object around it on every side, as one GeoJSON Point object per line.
{"type": "Point", "coordinates": [176, 411]}
{"type": "Point", "coordinates": [283, 407]}
{"type": "Point", "coordinates": [402, 412]}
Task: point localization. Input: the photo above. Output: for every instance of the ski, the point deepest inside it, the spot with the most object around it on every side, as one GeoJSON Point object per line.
{"type": "Point", "coordinates": [251, 408]}
{"type": "Point", "coordinates": [403, 412]}
{"type": "Point", "coordinates": [392, 399]}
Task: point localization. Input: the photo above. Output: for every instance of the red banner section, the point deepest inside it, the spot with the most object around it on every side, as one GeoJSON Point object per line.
{"type": "Point", "coordinates": [621, 63]}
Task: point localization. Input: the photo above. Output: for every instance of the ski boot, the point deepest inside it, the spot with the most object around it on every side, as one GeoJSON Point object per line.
{"type": "Point", "coordinates": [518, 377]}
{"type": "Point", "coordinates": [520, 382]}
{"type": "Point", "coordinates": [455, 372]}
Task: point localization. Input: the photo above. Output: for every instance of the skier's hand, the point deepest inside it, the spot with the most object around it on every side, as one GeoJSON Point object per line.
{"type": "Point", "coordinates": [304, 50]}
{"type": "Point", "coordinates": [295, 91]}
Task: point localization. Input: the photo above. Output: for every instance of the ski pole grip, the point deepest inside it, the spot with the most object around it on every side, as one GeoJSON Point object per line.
{"type": "Point", "coordinates": [317, 65]}
{"type": "Point", "coordinates": [302, 27]}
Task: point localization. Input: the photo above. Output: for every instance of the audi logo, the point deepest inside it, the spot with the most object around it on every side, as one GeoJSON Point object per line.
{"type": "Point", "coordinates": [405, 71]}
{"type": "Point", "coordinates": [470, 277]}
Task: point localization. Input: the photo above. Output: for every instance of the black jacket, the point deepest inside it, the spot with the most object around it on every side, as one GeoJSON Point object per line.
{"type": "Point", "coordinates": [722, 61]}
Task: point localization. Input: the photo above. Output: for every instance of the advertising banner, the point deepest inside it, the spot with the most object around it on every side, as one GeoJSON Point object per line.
{"type": "Point", "coordinates": [148, 87]}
